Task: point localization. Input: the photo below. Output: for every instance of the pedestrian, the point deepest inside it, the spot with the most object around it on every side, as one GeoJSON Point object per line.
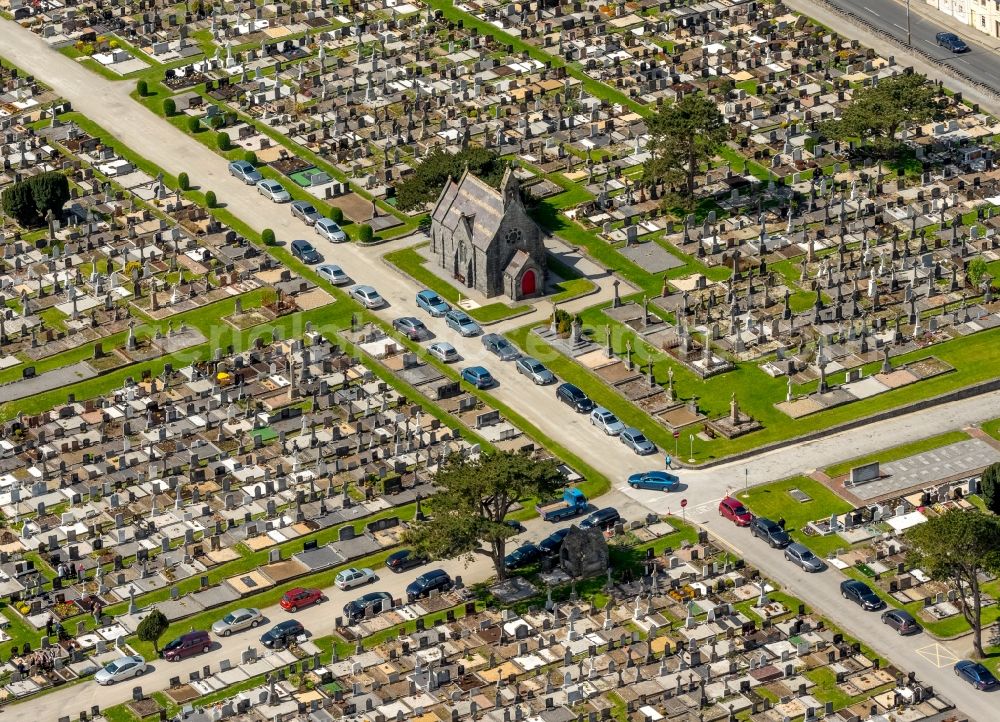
{"type": "Point", "coordinates": [48, 626]}
{"type": "Point", "coordinates": [781, 522]}
{"type": "Point", "coordinates": [80, 573]}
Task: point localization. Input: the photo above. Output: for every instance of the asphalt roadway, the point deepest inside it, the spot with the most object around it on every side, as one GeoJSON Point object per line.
{"type": "Point", "coordinates": [108, 104]}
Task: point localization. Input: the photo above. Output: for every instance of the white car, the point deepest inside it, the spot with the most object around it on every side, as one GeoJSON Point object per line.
{"type": "Point", "coordinates": [333, 274]}
{"type": "Point", "coordinates": [443, 351]}
{"type": "Point", "coordinates": [367, 296]}
{"type": "Point", "coordinates": [330, 230]}
{"type": "Point", "coordinates": [237, 621]}
{"type": "Point", "coordinates": [274, 190]}
{"type": "Point", "coordinates": [354, 577]}
{"type": "Point", "coordinates": [121, 669]}
{"type": "Point", "coordinates": [606, 421]}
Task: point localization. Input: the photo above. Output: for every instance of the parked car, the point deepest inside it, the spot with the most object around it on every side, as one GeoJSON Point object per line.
{"type": "Point", "coordinates": [274, 190]}
{"type": "Point", "coordinates": [294, 599]}
{"type": "Point", "coordinates": [461, 321]}
{"type": "Point", "coordinates": [377, 602]}
{"type": "Point", "coordinates": [282, 633]}
{"type": "Point", "coordinates": [367, 296]}
{"type": "Point", "coordinates": [443, 351]}
{"type": "Point", "coordinates": [413, 328]}
{"type": "Point", "coordinates": [404, 559]}
{"type": "Point", "coordinates": [187, 645]}
{"type": "Point", "coordinates": [524, 555]}
{"type": "Point", "coordinates": [573, 503]}
{"type": "Point", "coordinates": [333, 274]}
{"type": "Point", "coordinates": [861, 594]}
{"type": "Point", "coordinates": [534, 370]}
{"type": "Point", "coordinates": [975, 674]}
{"type": "Point", "coordinates": [478, 377]}
{"type": "Point", "coordinates": [238, 620]}
{"type": "Point", "coordinates": [304, 251]}
{"type": "Point", "coordinates": [330, 230]}
{"type": "Point", "coordinates": [574, 398]}
{"type": "Point", "coordinates": [553, 542]}
{"type": "Point", "coordinates": [500, 347]}
{"type": "Point", "coordinates": [603, 519]}
{"type": "Point", "coordinates": [121, 669]}
{"type": "Point", "coordinates": [734, 510]}
{"type": "Point", "coordinates": [517, 526]}
{"type": "Point", "coordinates": [432, 303]}
{"type": "Point", "coordinates": [900, 620]}
{"type": "Point", "coordinates": [306, 211]}
{"type": "Point", "coordinates": [950, 41]}
{"type": "Point", "coordinates": [656, 480]}
{"type": "Point", "coordinates": [354, 577]}
{"type": "Point", "coordinates": [802, 556]}
{"type": "Point", "coordinates": [637, 441]}
{"type": "Point", "coordinates": [245, 172]}
{"type": "Point", "coordinates": [434, 580]}
{"type": "Point", "coordinates": [606, 421]}
{"type": "Point", "coordinates": [763, 528]}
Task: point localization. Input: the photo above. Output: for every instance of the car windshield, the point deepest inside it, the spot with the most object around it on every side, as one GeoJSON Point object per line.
{"type": "Point", "coordinates": [229, 618]}
{"type": "Point", "coordinates": [173, 644]}
{"type": "Point", "coordinates": [739, 509]}
{"type": "Point", "coordinates": [116, 665]}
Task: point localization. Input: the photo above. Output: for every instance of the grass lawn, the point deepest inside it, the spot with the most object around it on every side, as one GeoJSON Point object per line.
{"type": "Point", "coordinates": [992, 428]}
{"type": "Point", "coordinates": [899, 452]}
{"type": "Point", "coordinates": [774, 502]}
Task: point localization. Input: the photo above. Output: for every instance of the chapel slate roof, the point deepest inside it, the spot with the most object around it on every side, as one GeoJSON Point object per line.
{"type": "Point", "coordinates": [472, 199]}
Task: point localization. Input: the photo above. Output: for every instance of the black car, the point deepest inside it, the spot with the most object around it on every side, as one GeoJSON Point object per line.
{"type": "Point", "coordinates": [304, 251]}
{"type": "Point", "coordinates": [769, 531]}
{"type": "Point", "coordinates": [434, 580]}
{"type": "Point", "coordinates": [522, 556]}
{"type": "Point", "coordinates": [861, 594]}
{"type": "Point", "coordinates": [553, 542]}
{"type": "Point", "coordinates": [404, 559]}
{"type": "Point", "coordinates": [282, 633]}
{"type": "Point", "coordinates": [901, 620]}
{"type": "Point", "coordinates": [602, 519]}
{"type": "Point", "coordinates": [574, 398]}
{"type": "Point", "coordinates": [377, 602]}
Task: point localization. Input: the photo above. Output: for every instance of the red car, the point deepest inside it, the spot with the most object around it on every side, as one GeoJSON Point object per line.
{"type": "Point", "coordinates": [297, 598]}
{"type": "Point", "coordinates": [734, 510]}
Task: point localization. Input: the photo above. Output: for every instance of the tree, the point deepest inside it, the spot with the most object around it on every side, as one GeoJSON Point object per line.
{"type": "Point", "coordinates": [30, 200]}
{"type": "Point", "coordinates": [366, 234]}
{"type": "Point", "coordinates": [474, 499]}
{"type": "Point", "coordinates": [169, 107]}
{"type": "Point", "coordinates": [152, 627]}
{"type": "Point", "coordinates": [336, 215]}
{"type": "Point", "coordinates": [250, 157]}
{"type": "Point", "coordinates": [683, 136]}
{"type": "Point", "coordinates": [19, 204]}
{"type": "Point", "coordinates": [142, 88]}
{"type": "Point", "coordinates": [428, 178]}
{"type": "Point", "coordinates": [989, 487]}
{"type": "Point", "coordinates": [877, 112]}
{"type": "Point", "coordinates": [267, 236]}
{"type": "Point", "coordinates": [193, 124]}
{"type": "Point", "coordinates": [210, 199]}
{"type": "Point", "coordinates": [224, 141]}
{"type": "Point", "coordinates": [960, 547]}
{"type": "Point", "coordinates": [183, 182]}
{"type": "Point", "coordinates": [976, 271]}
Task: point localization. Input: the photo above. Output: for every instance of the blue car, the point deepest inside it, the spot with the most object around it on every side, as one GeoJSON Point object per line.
{"type": "Point", "coordinates": [432, 303]}
{"type": "Point", "coordinates": [656, 480]}
{"type": "Point", "coordinates": [637, 441]}
{"type": "Point", "coordinates": [478, 377]}
{"type": "Point", "coordinates": [975, 674]}
{"type": "Point", "coordinates": [950, 41]}
{"type": "Point", "coordinates": [461, 322]}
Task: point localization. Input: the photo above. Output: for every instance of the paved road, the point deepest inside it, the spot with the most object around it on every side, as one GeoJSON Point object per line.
{"type": "Point", "coordinates": [108, 104]}
{"type": "Point", "coordinates": [982, 63]}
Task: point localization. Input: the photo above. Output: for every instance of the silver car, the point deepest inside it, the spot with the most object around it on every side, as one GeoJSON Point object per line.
{"type": "Point", "coordinates": [330, 230]}
{"type": "Point", "coordinates": [367, 296]}
{"type": "Point", "coordinates": [238, 620]}
{"type": "Point", "coordinates": [274, 190]}
{"type": "Point", "coordinates": [120, 670]}
{"type": "Point", "coordinates": [802, 557]}
{"type": "Point", "coordinates": [534, 370]}
{"type": "Point", "coordinates": [443, 351]}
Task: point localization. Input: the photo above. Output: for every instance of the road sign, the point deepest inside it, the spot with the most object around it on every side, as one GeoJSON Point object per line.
{"type": "Point", "coordinates": [684, 503]}
{"type": "Point", "coordinates": [677, 434]}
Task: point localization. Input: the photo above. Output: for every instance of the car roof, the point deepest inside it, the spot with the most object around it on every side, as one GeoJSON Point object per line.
{"type": "Point", "coordinates": [855, 584]}
{"type": "Point", "coordinates": [800, 548]}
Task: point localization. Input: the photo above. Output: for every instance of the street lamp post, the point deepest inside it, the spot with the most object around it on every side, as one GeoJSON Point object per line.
{"type": "Point", "coordinates": [908, 38]}
{"type": "Point", "coordinates": [746, 478]}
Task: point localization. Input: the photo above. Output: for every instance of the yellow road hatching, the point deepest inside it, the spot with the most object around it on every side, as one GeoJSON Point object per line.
{"type": "Point", "coordinates": [938, 655]}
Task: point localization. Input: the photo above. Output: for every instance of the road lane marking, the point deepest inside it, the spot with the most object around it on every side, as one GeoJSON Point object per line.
{"type": "Point", "coordinates": [899, 26]}
{"type": "Point", "coordinates": [938, 655]}
{"type": "Point", "coordinates": [871, 11]}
